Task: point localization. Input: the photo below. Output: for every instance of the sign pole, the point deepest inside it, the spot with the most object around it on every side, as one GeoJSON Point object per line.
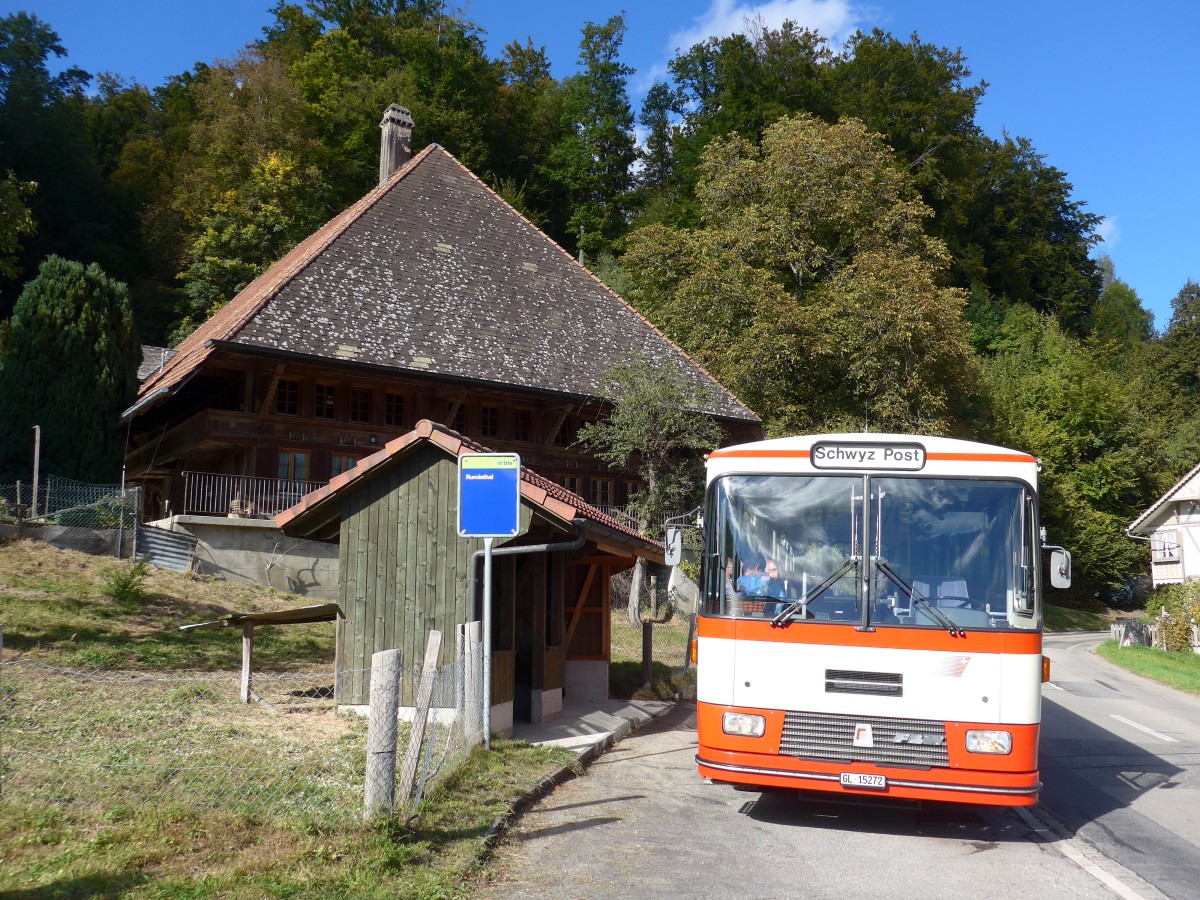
{"type": "Point", "coordinates": [487, 643]}
{"type": "Point", "coordinates": [489, 507]}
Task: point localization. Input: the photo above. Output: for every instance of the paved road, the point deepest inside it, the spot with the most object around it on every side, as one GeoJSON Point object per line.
{"type": "Point", "coordinates": [1120, 759]}
{"type": "Point", "coordinates": [641, 824]}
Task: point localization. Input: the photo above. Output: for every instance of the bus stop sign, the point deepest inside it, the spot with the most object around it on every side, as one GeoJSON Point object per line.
{"type": "Point", "coordinates": [489, 495]}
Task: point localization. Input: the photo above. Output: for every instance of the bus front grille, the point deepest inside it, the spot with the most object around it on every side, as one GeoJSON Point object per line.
{"type": "Point", "coordinates": [886, 741]}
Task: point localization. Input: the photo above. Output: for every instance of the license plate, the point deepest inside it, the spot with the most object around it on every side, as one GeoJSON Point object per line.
{"type": "Point", "coordinates": [860, 780]}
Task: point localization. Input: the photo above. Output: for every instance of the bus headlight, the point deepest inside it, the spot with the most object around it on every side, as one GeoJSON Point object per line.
{"type": "Point", "coordinates": [999, 742]}
{"type": "Point", "coordinates": [742, 723]}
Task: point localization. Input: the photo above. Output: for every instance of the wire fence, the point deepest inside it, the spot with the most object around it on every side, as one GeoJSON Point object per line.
{"type": "Point", "coordinates": [98, 743]}
{"type": "Point", "coordinates": [100, 519]}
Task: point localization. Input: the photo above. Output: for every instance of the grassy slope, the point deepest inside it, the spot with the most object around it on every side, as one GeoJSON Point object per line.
{"type": "Point", "coordinates": [54, 609]}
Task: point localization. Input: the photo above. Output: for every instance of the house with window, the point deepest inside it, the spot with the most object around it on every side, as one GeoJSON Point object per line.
{"type": "Point", "coordinates": [1172, 527]}
{"type": "Point", "coordinates": [429, 298]}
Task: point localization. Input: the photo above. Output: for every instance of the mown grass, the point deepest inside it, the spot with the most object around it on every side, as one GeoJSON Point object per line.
{"type": "Point", "coordinates": [166, 851]}
{"type": "Point", "coordinates": [1179, 670]}
{"type": "Point", "coordinates": [104, 796]}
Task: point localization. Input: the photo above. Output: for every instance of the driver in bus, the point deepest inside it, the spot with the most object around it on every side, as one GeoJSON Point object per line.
{"type": "Point", "coordinates": [766, 583]}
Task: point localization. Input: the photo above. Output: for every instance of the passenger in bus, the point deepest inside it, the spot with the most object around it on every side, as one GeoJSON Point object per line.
{"type": "Point", "coordinates": [768, 582]}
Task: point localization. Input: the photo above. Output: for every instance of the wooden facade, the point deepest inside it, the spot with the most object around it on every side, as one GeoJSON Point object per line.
{"type": "Point", "coordinates": [405, 571]}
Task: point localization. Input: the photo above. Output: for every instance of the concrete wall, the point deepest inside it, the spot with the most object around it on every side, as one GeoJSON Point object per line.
{"type": "Point", "coordinates": [255, 551]}
{"type": "Point", "coordinates": [586, 679]}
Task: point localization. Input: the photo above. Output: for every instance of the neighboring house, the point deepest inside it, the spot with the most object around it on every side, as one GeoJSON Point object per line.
{"type": "Point", "coordinates": [1172, 525]}
{"type": "Point", "coordinates": [404, 571]}
{"type": "Point", "coordinates": [428, 298]}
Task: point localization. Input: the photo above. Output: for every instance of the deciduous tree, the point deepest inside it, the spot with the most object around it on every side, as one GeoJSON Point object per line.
{"type": "Point", "coordinates": [653, 429]}
{"type": "Point", "coordinates": [810, 287]}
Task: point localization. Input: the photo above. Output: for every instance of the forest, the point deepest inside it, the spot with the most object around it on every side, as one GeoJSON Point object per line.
{"type": "Point", "coordinates": [828, 232]}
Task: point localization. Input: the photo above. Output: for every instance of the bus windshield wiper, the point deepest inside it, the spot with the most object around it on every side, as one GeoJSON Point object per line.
{"type": "Point", "coordinates": [917, 597]}
{"type": "Point", "coordinates": [788, 611]}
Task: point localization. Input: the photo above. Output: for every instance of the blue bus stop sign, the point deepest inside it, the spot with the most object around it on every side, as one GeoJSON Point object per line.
{"type": "Point", "coordinates": [489, 495]}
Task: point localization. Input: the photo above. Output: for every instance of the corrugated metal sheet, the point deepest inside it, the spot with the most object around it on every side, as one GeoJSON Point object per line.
{"type": "Point", "coordinates": [172, 550]}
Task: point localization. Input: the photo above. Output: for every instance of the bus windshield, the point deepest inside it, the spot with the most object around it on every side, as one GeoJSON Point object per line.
{"type": "Point", "coordinates": [951, 553]}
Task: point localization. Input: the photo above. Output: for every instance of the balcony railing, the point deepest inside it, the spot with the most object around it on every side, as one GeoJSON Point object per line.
{"type": "Point", "coordinates": [208, 494]}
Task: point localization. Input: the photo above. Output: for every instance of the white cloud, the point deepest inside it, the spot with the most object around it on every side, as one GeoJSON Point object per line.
{"type": "Point", "coordinates": [836, 20]}
{"type": "Point", "coordinates": [1110, 234]}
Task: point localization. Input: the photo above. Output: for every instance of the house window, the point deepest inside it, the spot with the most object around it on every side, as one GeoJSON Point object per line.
{"type": "Point", "coordinates": [293, 465]}
{"type": "Point", "coordinates": [522, 425]}
{"type": "Point", "coordinates": [565, 436]}
{"type": "Point", "coordinates": [570, 482]}
{"type": "Point", "coordinates": [489, 423]}
{"type": "Point", "coordinates": [393, 410]}
{"type": "Point", "coordinates": [360, 405]}
{"type": "Point", "coordinates": [326, 401]}
{"type": "Point", "coordinates": [459, 418]}
{"type": "Point", "coordinates": [287, 398]}
{"type": "Point", "coordinates": [632, 488]}
{"type": "Point", "coordinates": [1164, 547]}
{"type": "Point", "coordinates": [342, 463]}
{"type": "Point", "coordinates": [602, 491]}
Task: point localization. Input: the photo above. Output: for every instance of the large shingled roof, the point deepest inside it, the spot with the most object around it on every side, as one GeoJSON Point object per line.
{"type": "Point", "coordinates": [432, 272]}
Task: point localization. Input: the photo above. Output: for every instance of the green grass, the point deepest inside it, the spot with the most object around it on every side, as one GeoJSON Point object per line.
{"type": "Point", "coordinates": [1059, 618]}
{"type": "Point", "coordinates": [669, 646]}
{"type": "Point", "coordinates": [1179, 670]}
{"type": "Point", "coordinates": [129, 780]}
{"type": "Point", "coordinates": [71, 609]}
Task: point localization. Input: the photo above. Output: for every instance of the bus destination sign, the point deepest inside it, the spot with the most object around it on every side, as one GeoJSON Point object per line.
{"type": "Point", "coordinates": [855, 455]}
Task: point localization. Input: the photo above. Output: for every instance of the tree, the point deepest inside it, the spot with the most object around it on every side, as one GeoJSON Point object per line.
{"type": "Point", "coordinates": [1119, 318]}
{"type": "Point", "coordinates": [660, 135]}
{"type": "Point", "coordinates": [1050, 395]}
{"type": "Point", "coordinates": [246, 231]}
{"type": "Point", "coordinates": [654, 430]}
{"type": "Point", "coordinates": [44, 140]}
{"type": "Point", "coordinates": [15, 222]}
{"type": "Point", "coordinates": [810, 287]}
{"type": "Point", "coordinates": [70, 366]}
{"type": "Point", "coordinates": [593, 161]}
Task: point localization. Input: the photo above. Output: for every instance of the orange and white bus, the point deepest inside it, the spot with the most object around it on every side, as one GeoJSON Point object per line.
{"type": "Point", "coordinates": [870, 618]}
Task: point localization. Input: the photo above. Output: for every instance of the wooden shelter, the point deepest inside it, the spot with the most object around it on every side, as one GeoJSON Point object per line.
{"type": "Point", "coordinates": [405, 571]}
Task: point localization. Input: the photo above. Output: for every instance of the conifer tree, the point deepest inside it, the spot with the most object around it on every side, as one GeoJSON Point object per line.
{"type": "Point", "coordinates": [70, 366]}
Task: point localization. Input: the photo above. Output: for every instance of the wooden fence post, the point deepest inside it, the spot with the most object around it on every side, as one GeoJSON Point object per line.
{"type": "Point", "coordinates": [416, 737]}
{"type": "Point", "coordinates": [647, 653]}
{"type": "Point", "coordinates": [380, 790]}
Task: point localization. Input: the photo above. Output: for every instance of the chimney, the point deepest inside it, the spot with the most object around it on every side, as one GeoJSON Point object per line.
{"type": "Point", "coordinates": [394, 148]}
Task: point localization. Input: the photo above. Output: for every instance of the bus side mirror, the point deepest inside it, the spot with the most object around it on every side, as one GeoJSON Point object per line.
{"type": "Point", "coordinates": [673, 545]}
{"type": "Point", "coordinates": [1060, 568]}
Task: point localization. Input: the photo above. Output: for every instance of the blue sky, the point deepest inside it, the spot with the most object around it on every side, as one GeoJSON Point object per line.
{"type": "Point", "coordinates": [1106, 90]}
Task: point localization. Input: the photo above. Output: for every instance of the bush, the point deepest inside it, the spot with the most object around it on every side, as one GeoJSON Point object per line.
{"type": "Point", "coordinates": [124, 584]}
{"type": "Point", "coordinates": [1181, 603]}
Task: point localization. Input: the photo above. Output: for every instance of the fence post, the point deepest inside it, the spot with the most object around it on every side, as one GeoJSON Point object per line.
{"type": "Point", "coordinates": [247, 659]}
{"type": "Point", "coordinates": [473, 678]}
{"type": "Point", "coordinates": [416, 737]}
{"type": "Point", "coordinates": [379, 793]}
{"type": "Point", "coordinates": [647, 653]}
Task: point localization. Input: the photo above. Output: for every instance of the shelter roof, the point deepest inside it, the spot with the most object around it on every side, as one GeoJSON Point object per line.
{"type": "Point", "coordinates": [318, 510]}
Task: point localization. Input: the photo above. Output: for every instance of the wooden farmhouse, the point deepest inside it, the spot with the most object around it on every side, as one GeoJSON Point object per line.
{"type": "Point", "coordinates": [405, 571]}
{"type": "Point", "coordinates": [429, 298]}
{"type": "Point", "coordinates": [1172, 527]}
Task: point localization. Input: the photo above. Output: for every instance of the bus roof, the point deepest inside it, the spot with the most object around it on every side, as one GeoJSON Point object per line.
{"type": "Point", "coordinates": [866, 452]}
